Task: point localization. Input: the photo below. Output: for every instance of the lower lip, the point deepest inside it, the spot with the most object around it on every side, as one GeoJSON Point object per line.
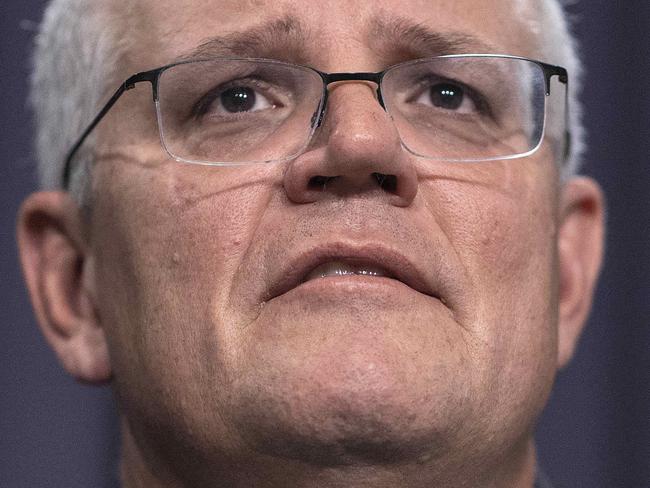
{"type": "Point", "coordinates": [331, 286]}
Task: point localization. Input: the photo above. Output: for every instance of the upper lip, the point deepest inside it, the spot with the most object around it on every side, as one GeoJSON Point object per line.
{"type": "Point", "coordinates": [397, 266]}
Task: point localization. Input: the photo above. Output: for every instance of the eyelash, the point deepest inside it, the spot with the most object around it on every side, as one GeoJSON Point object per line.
{"type": "Point", "coordinates": [200, 108]}
{"type": "Point", "coordinates": [426, 82]}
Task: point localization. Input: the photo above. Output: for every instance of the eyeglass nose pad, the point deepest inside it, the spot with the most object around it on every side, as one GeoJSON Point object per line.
{"type": "Point", "coordinates": [380, 98]}
{"type": "Point", "coordinates": [317, 118]}
{"type": "Point", "coordinates": [319, 114]}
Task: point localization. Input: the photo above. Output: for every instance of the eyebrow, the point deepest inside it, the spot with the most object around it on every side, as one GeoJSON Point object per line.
{"type": "Point", "coordinates": [405, 39]}
{"type": "Point", "coordinates": [392, 38]}
{"type": "Point", "coordinates": [282, 38]}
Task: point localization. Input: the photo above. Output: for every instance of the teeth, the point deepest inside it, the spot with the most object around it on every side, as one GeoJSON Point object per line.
{"type": "Point", "coordinates": [340, 268]}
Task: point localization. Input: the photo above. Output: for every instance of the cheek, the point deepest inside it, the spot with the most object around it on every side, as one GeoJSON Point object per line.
{"type": "Point", "coordinates": [500, 221]}
{"type": "Point", "coordinates": [165, 261]}
{"type": "Point", "coordinates": [502, 228]}
{"type": "Point", "coordinates": [513, 262]}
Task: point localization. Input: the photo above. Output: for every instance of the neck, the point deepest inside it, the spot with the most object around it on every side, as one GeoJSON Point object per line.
{"type": "Point", "coordinates": [142, 468]}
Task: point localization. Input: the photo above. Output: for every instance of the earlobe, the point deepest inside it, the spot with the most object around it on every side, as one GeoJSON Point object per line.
{"type": "Point", "coordinates": [58, 270]}
{"type": "Point", "coordinates": [580, 253]}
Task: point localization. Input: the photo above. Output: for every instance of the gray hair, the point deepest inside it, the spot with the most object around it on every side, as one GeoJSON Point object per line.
{"type": "Point", "coordinates": [77, 49]}
{"type": "Point", "coordinates": [560, 47]}
{"type": "Point", "coordinates": [80, 43]}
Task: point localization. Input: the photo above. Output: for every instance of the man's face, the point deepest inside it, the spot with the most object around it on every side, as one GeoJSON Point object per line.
{"type": "Point", "coordinates": [207, 281]}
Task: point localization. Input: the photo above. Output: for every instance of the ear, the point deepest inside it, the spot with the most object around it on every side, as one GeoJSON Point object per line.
{"type": "Point", "coordinates": [580, 253]}
{"type": "Point", "coordinates": [58, 269]}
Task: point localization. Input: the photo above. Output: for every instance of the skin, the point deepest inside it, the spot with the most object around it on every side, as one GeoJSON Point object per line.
{"type": "Point", "coordinates": [339, 382]}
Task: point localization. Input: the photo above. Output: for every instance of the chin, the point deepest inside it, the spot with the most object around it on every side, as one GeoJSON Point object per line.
{"type": "Point", "coordinates": [350, 378]}
{"type": "Point", "coordinates": [359, 409]}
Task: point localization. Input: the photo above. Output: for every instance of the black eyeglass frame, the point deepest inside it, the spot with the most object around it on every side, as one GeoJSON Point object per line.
{"type": "Point", "coordinates": [153, 77]}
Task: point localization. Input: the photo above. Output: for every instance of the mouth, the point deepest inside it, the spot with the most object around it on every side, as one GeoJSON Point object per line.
{"type": "Point", "coordinates": [346, 268]}
{"type": "Point", "coordinates": [349, 262]}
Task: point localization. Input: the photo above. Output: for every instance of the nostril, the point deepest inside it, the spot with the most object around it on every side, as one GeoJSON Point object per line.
{"type": "Point", "coordinates": [319, 182]}
{"type": "Point", "coordinates": [386, 182]}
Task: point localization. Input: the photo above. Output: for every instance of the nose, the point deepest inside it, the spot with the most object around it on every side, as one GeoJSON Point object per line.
{"type": "Point", "coordinates": [356, 150]}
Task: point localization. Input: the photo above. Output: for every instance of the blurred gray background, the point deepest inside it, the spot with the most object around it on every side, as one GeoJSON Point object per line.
{"type": "Point", "coordinates": [595, 432]}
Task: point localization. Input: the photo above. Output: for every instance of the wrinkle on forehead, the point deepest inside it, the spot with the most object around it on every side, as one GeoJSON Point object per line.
{"type": "Point", "coordinates": [159, 21]}
{"type": "Point", "coordinates": [288, 38]}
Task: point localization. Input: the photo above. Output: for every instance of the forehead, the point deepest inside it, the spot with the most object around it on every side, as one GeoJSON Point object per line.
{"type": "Point", "coordinates": [333, 35]}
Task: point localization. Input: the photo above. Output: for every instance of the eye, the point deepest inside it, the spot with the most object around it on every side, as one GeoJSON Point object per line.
{"type": "Point", "coordinates": [241, 99]}
{"type": "Point", "coordinates": [447, 96]}
{"type": "Point", "coordinates": [234, 98]}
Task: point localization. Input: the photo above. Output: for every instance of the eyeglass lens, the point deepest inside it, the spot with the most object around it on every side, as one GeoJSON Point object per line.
{"type": "Point", "coordinates": [447, 108]}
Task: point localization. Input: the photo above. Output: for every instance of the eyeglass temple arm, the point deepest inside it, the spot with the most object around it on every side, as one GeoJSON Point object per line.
{"type": "Point", "coordinates": [567, 132]}
{"type": "Point", "coordinates": [129, 84]}
{"type": "Point", "coordinates": [152, 76]}
{"type": "Point", "coordinates": [563, 77]}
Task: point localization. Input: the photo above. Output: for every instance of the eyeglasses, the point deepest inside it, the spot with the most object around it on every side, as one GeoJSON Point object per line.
{"type": "Point", "coordinates": [455, 108]}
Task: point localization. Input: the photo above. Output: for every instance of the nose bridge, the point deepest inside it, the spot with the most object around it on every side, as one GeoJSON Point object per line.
{"type": "Point", "coordinates": [357, 150]}
{"type": "Point", "coordinates": [354, 112]}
